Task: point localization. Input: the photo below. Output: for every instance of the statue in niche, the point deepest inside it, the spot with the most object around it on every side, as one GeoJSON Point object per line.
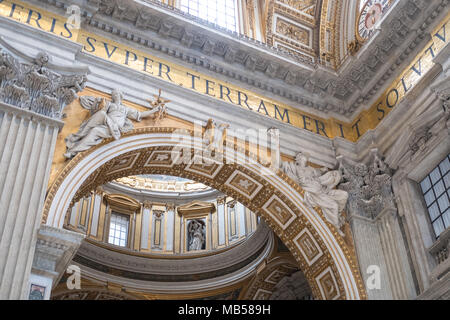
{"type": "Point", "coordinates": [319, 186]}
{"type": "Point", "coordinates": [108, 119]}
{"type": "Point", "coordinates": [196, 235]}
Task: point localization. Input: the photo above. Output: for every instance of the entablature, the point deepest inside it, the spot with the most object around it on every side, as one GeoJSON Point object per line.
{"type": "Point", "coordinates": [310, 87]}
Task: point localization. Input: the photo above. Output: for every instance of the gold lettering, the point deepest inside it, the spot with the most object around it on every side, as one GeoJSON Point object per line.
{"type": "Point", "coordinates": [133, 58]}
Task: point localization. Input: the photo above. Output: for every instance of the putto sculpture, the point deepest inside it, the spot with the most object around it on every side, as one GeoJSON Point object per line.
{"type": "Point", "coordinates": [319, 186]}
{"type": "Point", "coordinates": [109, 119]}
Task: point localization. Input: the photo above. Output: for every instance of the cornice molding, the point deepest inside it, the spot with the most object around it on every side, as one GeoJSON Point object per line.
{"type": "Point", "coordinates": [178, 266]}
{"type": "Point", "coordinates": [194, 41]}
{"type": "Point", "coordinates": [196, 207]}
{"type": "Point", "coordinates": [122, 202]}
{"type": "Point", "coordinates": [197, 42]}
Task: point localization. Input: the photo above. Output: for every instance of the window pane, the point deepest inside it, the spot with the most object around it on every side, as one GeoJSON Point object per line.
{"type": "Point", "coordinates": [445, 166]}
{"type": "Point", "coordinates": [446, 218]}
{"type": "Point", "coordinates": [438, 227]}
{"type": "Point", "coordinates": [213, 11]}
{"type": "Point", "coordinates": [447, 181]}
{"type": "Point", "coordinates": [437, 185]}
{"type": "Point", "coordinates": [425, 184]}
{"type": "Point", "coordinates": [118, 229]}
{"type": "Point", "coordinates": [439, 188]}
{"type": "Point", "coordinates": [429, 197]}
{"type": "Point", "coordinates": [434, 212]}
{"type": "Point", "coordinates": [443, 202]}
{"type": "Point", "coordinates": [435, 175]}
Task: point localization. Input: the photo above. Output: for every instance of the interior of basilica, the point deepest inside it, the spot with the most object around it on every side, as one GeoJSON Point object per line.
{"type": "Point", "coordinates": [224, 149]}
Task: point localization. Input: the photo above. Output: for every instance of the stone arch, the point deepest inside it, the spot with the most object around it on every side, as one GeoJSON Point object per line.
{"type": "Point", "coordinates": [327, 262]}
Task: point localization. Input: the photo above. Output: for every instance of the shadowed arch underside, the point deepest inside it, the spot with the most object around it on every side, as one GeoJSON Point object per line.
{"type": "Point", "coordinates": [321, 253]}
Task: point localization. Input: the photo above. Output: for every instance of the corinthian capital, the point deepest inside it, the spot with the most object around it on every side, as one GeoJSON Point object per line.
{"type": "Point", "coordinates": [147, 204]}
{"type": "Point", "coordinates": [369, 186]}
{"type": "Point", "coordinates": [33, 84]}
{"type": "Point", "coordinates": [170, 206]}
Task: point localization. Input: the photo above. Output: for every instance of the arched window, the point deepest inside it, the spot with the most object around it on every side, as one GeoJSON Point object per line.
{"type": "Point", "coordinates": [220, 12]}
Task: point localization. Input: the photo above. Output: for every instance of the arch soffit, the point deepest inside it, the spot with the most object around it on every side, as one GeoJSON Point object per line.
{"type": "Point", "coordinates": [326, 260]}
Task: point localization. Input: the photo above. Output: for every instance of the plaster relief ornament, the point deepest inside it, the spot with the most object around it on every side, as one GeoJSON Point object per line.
{"type": "Point", "coordinates": [369, 186]}
{"type": "Point", "coordinates": [159, 102]}
{"type": "Point", "coordinates": [196, 231]}
{"type": "Point", "coordinates": [215, 135]}
{"type": "Point", "coordinates": [109, 119]}
{"type": "Point", "coordinates": [319, 186]}
{"type": "Point", "coordinates": [444, 96]}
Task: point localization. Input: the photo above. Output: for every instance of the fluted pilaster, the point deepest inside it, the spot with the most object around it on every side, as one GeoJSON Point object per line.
{"type": "Point", "coordinates": [375, 225]}
{"type": "Point", "coordinates": [27, 142]}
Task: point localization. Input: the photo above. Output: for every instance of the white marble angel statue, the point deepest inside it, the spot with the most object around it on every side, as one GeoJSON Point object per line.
{"type": "Point", "coordinates": [108, 119]}
{"type": "Point", "coordinates": [197, 235]}
{"type": "Point", "coordinates": [319, 186]}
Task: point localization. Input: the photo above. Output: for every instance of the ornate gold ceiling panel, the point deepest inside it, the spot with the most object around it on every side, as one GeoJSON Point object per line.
{"type": "Point", "coordinates": [291, 27]}
{"type": "Point", "coordinates": [269, 273]}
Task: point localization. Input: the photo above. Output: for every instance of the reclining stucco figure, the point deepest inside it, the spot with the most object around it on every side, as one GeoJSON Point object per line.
{"type": "Point", "coordinates": [108, 119]}
{"type": "Point", "coordinates": [319, 186]}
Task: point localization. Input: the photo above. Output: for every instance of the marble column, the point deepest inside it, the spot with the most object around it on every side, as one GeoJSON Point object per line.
{"type": "Point", "coordinates": [376, 228]}
{"type": "Point", "coordinates": [369, 251]}
{"type": "Point", "coordinates": [32, 99]}
{"type": "Point", "coordinates": [27, 142]}
{"type": "Point", "coordinates": [145, 232]}
{"type": "Point", "coordinates": [396, 257]}
{"type": "Point", "coordinates": [170, 226]}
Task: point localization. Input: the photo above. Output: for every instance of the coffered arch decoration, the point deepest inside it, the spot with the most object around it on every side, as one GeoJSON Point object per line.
{"type": "Point", "coordinates": [326, 260]}
{"type": "Point", "coordinates": [311, 31]}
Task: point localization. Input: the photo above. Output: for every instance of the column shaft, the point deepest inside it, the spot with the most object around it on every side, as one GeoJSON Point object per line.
{"type": "Point", "coordinates": [26, 154]}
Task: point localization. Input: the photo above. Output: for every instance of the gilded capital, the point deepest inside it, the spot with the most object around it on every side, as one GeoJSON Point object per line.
{"type": "Point", "coordinates": [147, 204]}
{"type": "Point", "coordinates": [158, 213]}
{"type": "Point", "coordinates": [232, 203]}
{"type": "Point", "coordinates": [221, 200]}
{"type": "Point", "coordinates": [98, 191]}
{"type": "Point", "coordinates": [170, 206]}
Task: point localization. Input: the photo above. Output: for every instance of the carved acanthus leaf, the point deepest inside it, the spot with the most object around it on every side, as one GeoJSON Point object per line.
{"type": "Point", "coordinates": [369, 187]}
{"type": "Point", "coordinates": [35, 87]}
